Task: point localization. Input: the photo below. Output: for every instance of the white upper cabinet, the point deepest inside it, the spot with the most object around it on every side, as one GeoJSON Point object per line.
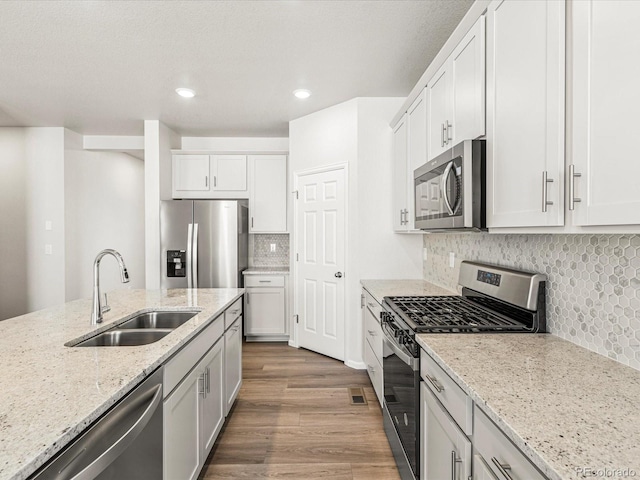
{"type": "Point", "coordinates": [468, 85]}
{"type": "Point", "coordinates": [439, 111]}
{"type": "Point", "coordinates": [456, 94]}
{"type": "Point", "coordinates": [268, 193]}
{"type": "Point", "coordinates": [417, 133]}
{"type": "Point", "coordinates": [606, 101]}
{"type": "Point", "coordinates": [400, 173]}
{"type": "Point", "coordinates": [525, 113]}
{"type": "Point", "coordinates": [229, 173]}
{"type": "Point", "coordinates": [191, 173]}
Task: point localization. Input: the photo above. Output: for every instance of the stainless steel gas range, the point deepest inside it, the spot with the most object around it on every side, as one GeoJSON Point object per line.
{"type": "Point", "coordinates": [493, 300]}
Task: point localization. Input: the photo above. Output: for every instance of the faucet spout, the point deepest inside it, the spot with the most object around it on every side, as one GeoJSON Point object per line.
{"type": "Point", "coordinates": [97, 309]}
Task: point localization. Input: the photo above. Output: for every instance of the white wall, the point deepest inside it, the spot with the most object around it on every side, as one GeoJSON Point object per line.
{"type": "Point", "coordinates": [104, 198]}
{"type": "Point", "coordinates": [236, 144]}
{"type": "Point", "coordinates": [158, 142]}
{"type": "Point", "coordinates": [357, 133]}
{"type": "Point", "coordinates": [13, 224]}
{"type": "Point", "coordinates": [44, 161]}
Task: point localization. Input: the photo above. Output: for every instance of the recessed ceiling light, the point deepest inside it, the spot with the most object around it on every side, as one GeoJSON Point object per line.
{"type": "Point", "coordinates": [302, 93]}
{"type": "Point", "coordinates": [185, 92]}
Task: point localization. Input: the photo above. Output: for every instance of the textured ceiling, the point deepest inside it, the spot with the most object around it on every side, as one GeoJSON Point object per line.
{"type": "Point", "coordinates": [102, 67]}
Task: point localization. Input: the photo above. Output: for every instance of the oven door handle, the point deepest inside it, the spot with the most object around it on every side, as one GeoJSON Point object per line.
{"type": "Point", "coordinates": [407, 359]}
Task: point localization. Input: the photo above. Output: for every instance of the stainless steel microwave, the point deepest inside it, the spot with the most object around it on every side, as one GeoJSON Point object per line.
{"type": "Point", "coordinates": [450, 189]}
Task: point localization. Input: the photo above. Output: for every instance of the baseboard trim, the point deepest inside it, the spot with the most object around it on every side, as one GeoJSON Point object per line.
{"type": "Point", "coordinates": [268, 338]}
{"type": "Point", "coordinates": [355, 365]}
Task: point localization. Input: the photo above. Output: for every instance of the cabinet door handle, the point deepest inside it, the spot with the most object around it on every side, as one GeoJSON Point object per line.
{"type": "Point", "coordinates": [454, 461]}
{"type": "Point", "coordinates": [206, 181]}
{"type": "Point", "coordinates": [372, 332]}
{"type": "Point", "coordinates": [208, 377]}
{"type": "Point", "coordinates": [447, 128]}
{"type": "Point", "coordinates": [502, 468]}
{"type": "Point", "coordinates": [401, 217]}
{"type": "Point", "coordinates": [572, 187]}
{"type": "Point", "coordinates": [201, 387]}
{"type": "Point", "coordinates": [439, 388]}
{"type": "Point", "coordinates": [442, 134]}
{"type": "Point", "coordinates": [362, 300]}
{"type": "Point", "coordinates": [235, 329]}
{"type": "Point", "coordinates": [545, 190]}
{"type": "Point", "coordinates": [251, 222]}
{"type": "Point", "coordinates": [215, 181]}
{"type": "Point", "coordinates": [371, 369]}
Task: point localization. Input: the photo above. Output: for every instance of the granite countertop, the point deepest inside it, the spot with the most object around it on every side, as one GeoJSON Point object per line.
{"type": "Point", "coordinates": [387, 288]}
{"type": "Point", "coordinates": [564, 406]}
{"type": "Point", "coordinates": [266, 271]}
{"type": "Point", "coordinates": [49, 392]}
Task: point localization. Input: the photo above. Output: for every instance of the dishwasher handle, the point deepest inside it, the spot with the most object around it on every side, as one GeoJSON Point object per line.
{"type": "Point", "coordinates": [118, 447]}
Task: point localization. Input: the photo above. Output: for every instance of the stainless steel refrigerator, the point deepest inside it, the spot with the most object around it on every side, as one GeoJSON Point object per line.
{"type": "Point", "coordinates": [204, 243]}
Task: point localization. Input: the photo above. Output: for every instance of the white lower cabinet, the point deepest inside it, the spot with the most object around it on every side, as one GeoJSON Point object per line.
{"type": "Point", "coordinates": [500, 456]}
{"type": "Point", "coordinates": [201, 382]}
{"type": "Point", "coordinates": [445, 450]}
{"type": "Point", "coordinates": [265, 308]}
{"type": "Point", "coordinates": [193, 416]}
{"type": "Point", "coordinates": [182, 454]}
{"type": "Point", "coordinates": [212, 405]}
{"type": "Point", "coordinates": [233, 363]}
{"type": "Point", "coordinates": [482, 471]}
{"type": "Point", "coordinates": [373, 343]}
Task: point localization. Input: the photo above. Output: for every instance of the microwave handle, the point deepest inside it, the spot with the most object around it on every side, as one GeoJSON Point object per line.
{"type": "Point", "coordinates": [443, 187]}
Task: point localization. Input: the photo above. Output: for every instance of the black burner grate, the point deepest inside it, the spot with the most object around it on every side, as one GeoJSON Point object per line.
{"type": "Point", "coordinates": [450, 314]}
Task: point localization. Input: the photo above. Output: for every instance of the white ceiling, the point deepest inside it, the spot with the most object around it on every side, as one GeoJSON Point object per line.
{"type": "Point", "coordinates": [101, 67]}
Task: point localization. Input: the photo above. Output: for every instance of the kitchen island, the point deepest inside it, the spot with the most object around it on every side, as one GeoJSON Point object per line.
{"type": "Point", "coordinates": [50, 392]}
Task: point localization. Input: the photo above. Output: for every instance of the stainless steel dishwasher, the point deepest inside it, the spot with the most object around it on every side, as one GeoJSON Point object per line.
{"type": "Point", "coordinates": [125, 443]}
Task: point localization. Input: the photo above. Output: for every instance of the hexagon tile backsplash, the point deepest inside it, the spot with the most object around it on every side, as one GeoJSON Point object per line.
{"type": "Point", "coordinates": [593, 294]}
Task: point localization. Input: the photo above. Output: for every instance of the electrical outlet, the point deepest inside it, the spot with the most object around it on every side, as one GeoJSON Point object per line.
{"type": "Point", "coordinates": [273, 247]}
{"type": "Point", "coordinates": [48, 249]}
{"type": "Point", "coordinates": [452, 259]}
{"type": "Point", "coordinates": [424, 254]}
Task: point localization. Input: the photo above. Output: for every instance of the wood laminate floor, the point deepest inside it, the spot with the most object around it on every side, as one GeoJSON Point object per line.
{"type": "Point", "coordinates": [293, 420]}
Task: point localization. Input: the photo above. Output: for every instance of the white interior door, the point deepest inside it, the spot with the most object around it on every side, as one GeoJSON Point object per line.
{"type": "Point", "coordinates": [320, 239]}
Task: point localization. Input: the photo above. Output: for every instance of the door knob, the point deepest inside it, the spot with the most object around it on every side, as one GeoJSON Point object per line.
{"type": "Point", "coordinates": [338, 275]}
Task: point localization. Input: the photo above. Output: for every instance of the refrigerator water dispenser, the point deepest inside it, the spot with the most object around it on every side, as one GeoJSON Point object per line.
{"type": "Point", "coordinates": [176, 263]}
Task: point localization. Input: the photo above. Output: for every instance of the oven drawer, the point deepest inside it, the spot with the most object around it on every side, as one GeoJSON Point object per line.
{"type": "Point", "coordinates": [373, 333]}
{"type": "Point", "coordinates": [374, 369]}
{"type": "Point", "coordinates": [498, 451]}
{"type": "Point", "coordinates": [452, 397]}
{"type": "Point", "coordinates": [372, 304]}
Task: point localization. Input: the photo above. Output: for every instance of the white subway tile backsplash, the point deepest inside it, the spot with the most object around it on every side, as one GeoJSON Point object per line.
{"type": "Point", "coordinates": [593, 295]}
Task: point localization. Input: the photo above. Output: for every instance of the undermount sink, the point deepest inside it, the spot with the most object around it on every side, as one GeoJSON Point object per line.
{"type": "Point", "coordinates": [126, 338]}
{"type": "Point", "coordinates": [142, 329]}
{"type": "Point", "coordinates": [147, 320]}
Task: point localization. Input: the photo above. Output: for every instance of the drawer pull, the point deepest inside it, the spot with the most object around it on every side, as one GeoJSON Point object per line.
{"type": "Point", "coordinates": [371, 369]}
{"type": "Point", "coordinates": [372, 333]}
{"type": "Point", "coordinates": [454, 461]}
{"type": "Point", "coordinates": [234, 311]}
{"type": "Point", "coordinates": [439, 388]}
{"type": "Point", "coordinates": [371, 305]}
{"type": "Point", "coordinates": [264, 281]}
{"type": "Point", "coordinates": [502, 468]}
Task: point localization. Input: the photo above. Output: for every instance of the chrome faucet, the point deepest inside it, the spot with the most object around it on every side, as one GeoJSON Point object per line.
{"type": "Point", "coordinates": [98, 309]}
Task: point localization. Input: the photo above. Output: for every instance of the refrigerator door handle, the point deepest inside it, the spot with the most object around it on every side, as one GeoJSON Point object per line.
{"type": "Point", "coordinates": [189, 255]}
{"type": "Point", "coordinates": [194, 267]}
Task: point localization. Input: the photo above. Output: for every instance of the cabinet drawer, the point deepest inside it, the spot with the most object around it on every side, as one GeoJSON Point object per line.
{"type": "Point", "coordinates": [452, 397]}
{"type": "Point", "coordinates": [373, 334]}
{"type": "Point", "coordinates": [373, 305]}
{"type": "Point", "coordinates": [264, 281]}
{"type": "Point", "coordinates": [183, 361]}
{"type": "Point", "coordinates": [233, 312]}
{"type": "Point", "coordinates": [374, 369]}
{"type": "Point", "coordinates": [496, 449]}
